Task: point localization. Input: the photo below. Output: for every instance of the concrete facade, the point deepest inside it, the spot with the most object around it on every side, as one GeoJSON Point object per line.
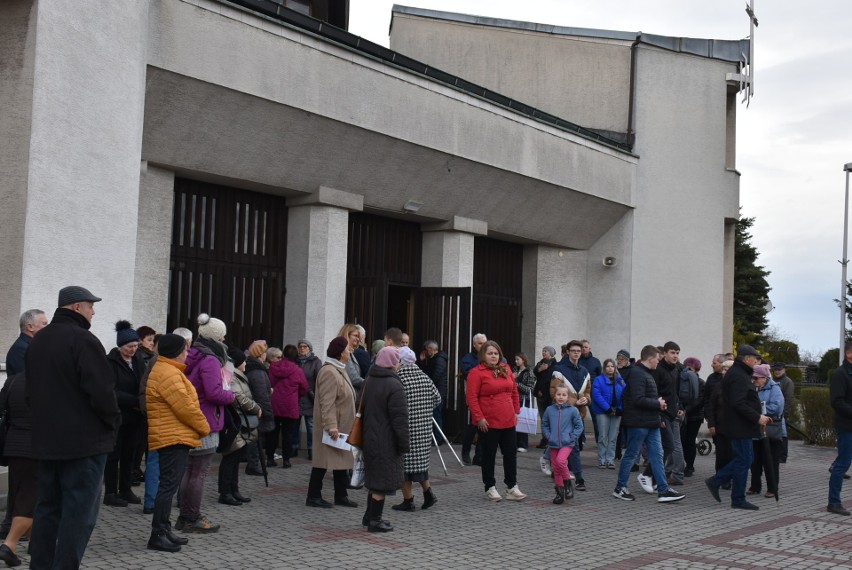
{"type": "Point", "coordinates": [102, 122]}
{"type": "Point", "coordinates": [673, 275]}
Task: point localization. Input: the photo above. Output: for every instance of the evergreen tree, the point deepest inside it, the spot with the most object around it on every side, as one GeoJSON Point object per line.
{"type": "Point", "coordinates": [751, 290]}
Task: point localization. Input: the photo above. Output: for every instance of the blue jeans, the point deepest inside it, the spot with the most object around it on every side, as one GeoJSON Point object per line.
{"type": "Point", "coordinates": [840, 466]}
{"type": "Point", "coordinates": [608, 432]}
{"type": "Point", "coordinates": [636, 436]}
{"type": "Point", "coordinates": [69, 495]}
{"type": "Point", "coordinates": [736, 471]}
{"type": "Point", "coordinates": [152, 478]}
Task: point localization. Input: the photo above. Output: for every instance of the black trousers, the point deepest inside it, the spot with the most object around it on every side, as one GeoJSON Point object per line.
{"type": "Point", "coordinates": [284, 431]}
{"type": "Point", "coordinates": [759, 467]}
{"type": "Point", "coordinates": [467, 441]}
{"type": "Point", "coordinates": [506, 440]}
{"type": "Point", "coordinates": [172, 466]}
{"type": "Point", "coordinates": [688, 434]}
{"type": "Point", "coordinates": [118, 473]}
{"type": "Point", "coordinates": [341, 481]}
{"type": "Point", "coordinates": [229, 472]}
{"type": "Point", "coordinates": [724, 455]}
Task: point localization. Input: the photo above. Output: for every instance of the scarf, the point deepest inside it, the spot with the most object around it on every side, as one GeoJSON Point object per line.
{"type": "Point", "coordinates": [334, 362]}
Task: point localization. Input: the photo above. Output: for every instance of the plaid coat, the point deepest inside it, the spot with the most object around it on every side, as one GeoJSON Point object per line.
{"type": "Point", "coordinates": [423, 397]}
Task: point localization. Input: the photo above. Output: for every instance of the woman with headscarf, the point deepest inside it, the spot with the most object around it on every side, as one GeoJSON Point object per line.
{"type": "Point", "coordinates": [205, 368]}
{"type": "Point", "coordinates": [334, 413]}
{"type": "Point", "coordinates": [494, 407]}
{"type": "Point", "coordinates": [261, 392]}
{"type": "Point", "coordinates": [422, 397]}
{"type": "Point", "coordinates": [310, 365]}
{"type": "Point", "coordinates": [384, 413]}
{"type": "Point", "coordinates": [543, 370]}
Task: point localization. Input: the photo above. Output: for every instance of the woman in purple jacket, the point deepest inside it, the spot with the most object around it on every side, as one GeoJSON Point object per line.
{"type": "Point", "coordinates": [205, 364]}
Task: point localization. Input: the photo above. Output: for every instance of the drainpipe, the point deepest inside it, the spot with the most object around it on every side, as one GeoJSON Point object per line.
{"type": "Point", "coordinates": [631, 134]}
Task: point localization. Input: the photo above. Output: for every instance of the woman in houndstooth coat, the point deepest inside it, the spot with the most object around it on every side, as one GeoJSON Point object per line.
{"type": "Point", "coordinates": [423, 397]}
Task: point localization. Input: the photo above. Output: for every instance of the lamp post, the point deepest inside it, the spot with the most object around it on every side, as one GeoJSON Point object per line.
{"type": "Point", "coordinates": [847, 168]}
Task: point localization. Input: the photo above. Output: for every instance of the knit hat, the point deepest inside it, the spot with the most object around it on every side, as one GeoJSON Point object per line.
{"type": "Point", "coordinates": [388, 357]}
{"type": "Point", "coordinates": [336, 347]}
{"type": "Point", "coordinates": [171, 345]}
{"type": "Point", "coordinates": [124, 333]}
{"type": "Point", "coordinates": [306, 341]}
{"type": "Point", "coordinates": [237, 356]}
{"type": "Point", "coordinates": [407, 356]}
{"type": "Point", "coordinates": [623, 354]}
{"type": "Point", "coordinates": [211, 328]}
{"type": "Point", "coordinates": [257, 348]}
{"type": "Point", "coordinates": [551, 350]}
{"type": "Point", "coordinates": [693, 363]}
{"type": "Point", "coordinates": [75, 294]}
{"type": "Point", "coordinates": [761, 371]}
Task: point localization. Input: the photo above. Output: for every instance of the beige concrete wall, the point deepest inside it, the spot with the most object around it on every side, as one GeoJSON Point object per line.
{"type": "Point", "coordinates": [582, 80]}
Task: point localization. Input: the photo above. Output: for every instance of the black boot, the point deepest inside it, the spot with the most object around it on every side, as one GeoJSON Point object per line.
{"type": "Point", "coordinates": [376, 522]}
{"type": "Point", "coordinates": [560, 495]}
{"type": "Point", "coordinates": [405, 505]}
{"type": "Point", "coordinates": [429, 498]}
{"type": "Point", "coordinates": [175, 538]}
{"type": "Point", "coordinates": [159, 541]}
{"type": "Point", "coordinates": [569, 489]}
{"type": "Point", "coordinates": [365, 520]}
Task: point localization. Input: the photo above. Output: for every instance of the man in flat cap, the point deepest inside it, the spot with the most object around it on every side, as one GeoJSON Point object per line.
{"type": "Point", "coordinates": [70, 387]}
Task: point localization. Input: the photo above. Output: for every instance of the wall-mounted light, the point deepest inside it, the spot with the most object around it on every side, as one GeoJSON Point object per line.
{"type": "Point", "coordinates": [412, 207]}
{"type": "Point", "coordinates": [609, 261]}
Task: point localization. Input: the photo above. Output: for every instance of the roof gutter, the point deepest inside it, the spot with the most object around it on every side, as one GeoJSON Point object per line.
{"type": "Point", "coordinates": [631, 103]}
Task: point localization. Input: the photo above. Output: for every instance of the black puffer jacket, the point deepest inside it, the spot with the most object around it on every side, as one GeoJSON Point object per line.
{"type": "Point", "coordinates": [641, 403]}
{"type": "Point", "coordinates": [840, 389]}
{"type": "Point", "coordinates": [19, 419]}
{"type": "Point", "coordinates": [741, 404]}
{"type": "Point", "coordinates": [71, 389]}
{"type": "Point", "coordinates": [127, 384]}
{"type": "Point", "coordinates": [667, 377]}
{"type": "Point", "coordinates": [261, 393]}
{"type": "Point", "coordinates": [436, 368]}
{"type": "Point", "coordinates": [386, 437]}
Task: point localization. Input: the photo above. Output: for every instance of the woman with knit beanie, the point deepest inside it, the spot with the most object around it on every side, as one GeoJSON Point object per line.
{"type": "Point", "coordinates": [386, 438]}
{"type": "Point", "coordinates": [205, 368]}
{"type": "Point", "coordinates": [310, 365]}
{"type": "Point", "coordinates": [334, 413]}
{"type": "Point", "coordinates": [494, 407]}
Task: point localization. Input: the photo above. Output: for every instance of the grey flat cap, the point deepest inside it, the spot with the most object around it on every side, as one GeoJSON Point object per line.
{"type": "Point", "coordinates": [75, 294]}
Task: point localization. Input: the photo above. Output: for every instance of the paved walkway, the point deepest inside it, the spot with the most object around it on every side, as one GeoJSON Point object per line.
{"type": "Point", "coordinates": [594, 530]}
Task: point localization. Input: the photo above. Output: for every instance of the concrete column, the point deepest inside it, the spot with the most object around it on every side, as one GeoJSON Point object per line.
{"type": "Point", "coordinates": [153, 247]}
{"type": "Point", "coordinates": [554, 297]}
{"type": "Point", "coordinates": [447, 253]}
{"type": "Point", "coordinates": [317, 240]}
{"type": "Point", "coordinates": [728, 286]}
{"type": "Point", "coordinates": [77, 129]}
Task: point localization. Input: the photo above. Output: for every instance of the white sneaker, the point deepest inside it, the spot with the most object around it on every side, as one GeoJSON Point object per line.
{"type": "Point", "coordinates": [545, 466]}
{"type": "Point", "coordinates": [522, 450]}
{"type": "Point", "coordinates": [646, 482]}
{"type": "Point", "coordinates": [278, 456]}
{"type": "Point", "coordinates": [514, 494]}
{"type": "Point", "coordinates": [493, 495]}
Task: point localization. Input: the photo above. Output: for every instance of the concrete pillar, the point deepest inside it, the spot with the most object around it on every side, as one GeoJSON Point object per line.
{"type": "Point", "coordinates": [153, 247]}
{"type": "Point", "coordinates": [555, 300]}
{"type": "Point", "coordinates": [728, 286]}
{"type": "Point", "coordinates": [317, 240]}
{"type": "Point", "coordinates": [76, 128]}
{"type": "Point", "coordinates": [447, 254]}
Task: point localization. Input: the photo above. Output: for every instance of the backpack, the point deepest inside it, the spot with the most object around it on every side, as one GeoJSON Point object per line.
{"type": "Point", "coordinates": [687, 387]}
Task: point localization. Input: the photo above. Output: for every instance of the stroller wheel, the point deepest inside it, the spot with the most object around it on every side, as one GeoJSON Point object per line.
{"type": "Point", "coordinates": [704, 447]}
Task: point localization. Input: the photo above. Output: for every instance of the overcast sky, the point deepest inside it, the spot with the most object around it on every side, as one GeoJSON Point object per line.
{"type": "Point", "coordinates": [792, 141]}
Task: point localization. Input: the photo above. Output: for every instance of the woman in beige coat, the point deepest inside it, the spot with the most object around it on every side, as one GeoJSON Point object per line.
{"type": "Point", "coordinates": [334, 413]}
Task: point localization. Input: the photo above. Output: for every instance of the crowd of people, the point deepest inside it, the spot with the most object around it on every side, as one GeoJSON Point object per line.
{"type": "Point", "coordinates": [80, 421]}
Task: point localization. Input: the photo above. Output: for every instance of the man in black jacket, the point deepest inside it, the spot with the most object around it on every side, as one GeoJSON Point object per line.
{"type": "Point", "coordinates": [642, 408]}
{"type": "Point", "coordinates": [741, 425]}
{"type": "Point", "coordinates": [840, 390]}
{"type": "Point", "coordinates": [71, 389]}
{"type": "Point", "coordinates": [433, 361]}
{"type": "Point", "coordinates": [667, 376]}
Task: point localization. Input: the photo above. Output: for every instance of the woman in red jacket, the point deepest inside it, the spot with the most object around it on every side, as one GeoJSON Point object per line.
{"type": "Point", "coordinates": [494, 407]}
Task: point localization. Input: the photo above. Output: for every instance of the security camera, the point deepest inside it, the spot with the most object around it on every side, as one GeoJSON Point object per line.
{"type": "Point", "coordinates": [609, 261]}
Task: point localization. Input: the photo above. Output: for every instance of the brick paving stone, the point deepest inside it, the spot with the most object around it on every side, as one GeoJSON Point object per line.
{"type": "Point", "coordinates": [276, 530]}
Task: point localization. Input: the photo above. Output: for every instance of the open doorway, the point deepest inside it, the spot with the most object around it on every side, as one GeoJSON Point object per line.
{"type": "Point", "coordinates": [401, 308]}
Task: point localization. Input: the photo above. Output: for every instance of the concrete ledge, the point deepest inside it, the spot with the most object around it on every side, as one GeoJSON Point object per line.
{"type": "Point", "coordinates": [459, 224]}
{"type": "Point", "coordinates": [326, 196]}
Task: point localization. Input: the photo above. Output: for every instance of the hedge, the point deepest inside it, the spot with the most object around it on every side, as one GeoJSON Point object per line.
{"type": "Point", "coordinates": [818, 416]}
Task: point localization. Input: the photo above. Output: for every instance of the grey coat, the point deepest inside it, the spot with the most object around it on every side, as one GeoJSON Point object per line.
{"type": "Point", "coordinates": [258, 380]}
{"type": "Point", "coordinates": [385, 429]}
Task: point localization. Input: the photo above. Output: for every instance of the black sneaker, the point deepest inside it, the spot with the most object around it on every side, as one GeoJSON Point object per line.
{"type": "Point", "coordinates": [623, 494]}
{"type": "Point", "coordinates": [113, 500]}
{"type": "Point", "coordinates": [714, 488]}
{"type": "Point", "coordinates": [837, 509]}
{"type": "Point", "coordinates": [580, 485]}
{"type": "Point", "coordinates": [670, 496]}
{"type": "Point", "coordinates": [745, 505]}
{"type": "Point", "coordinates": [466, 458]}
